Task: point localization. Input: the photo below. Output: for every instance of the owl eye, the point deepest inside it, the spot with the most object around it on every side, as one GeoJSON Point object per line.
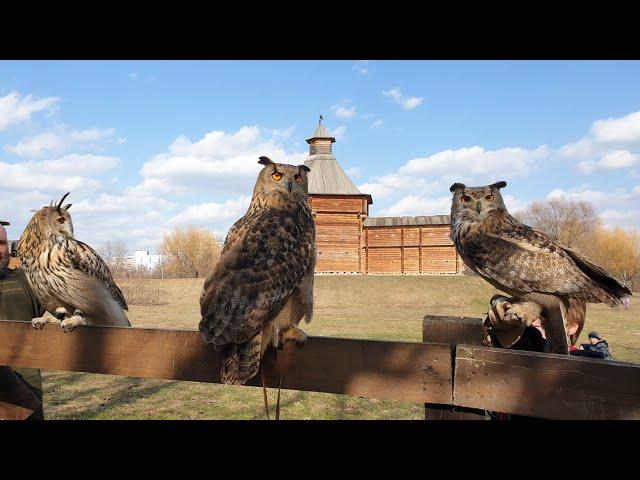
{"type": "Point", "coordinates": [298, 178]}
{"type": "Point", "coordinates": [465, 198]}
{"type": "Point", "coordinates": [490, 197]}
{"type": "Point", "coordinates": [60, 219]}
{"type": "Point", "coordinates": [277, 176]}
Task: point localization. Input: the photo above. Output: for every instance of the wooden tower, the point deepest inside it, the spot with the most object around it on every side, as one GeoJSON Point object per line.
{"type": "Point", "coordinates": [338, 207]}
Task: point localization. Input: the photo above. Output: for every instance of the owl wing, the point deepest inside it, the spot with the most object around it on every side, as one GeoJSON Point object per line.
{"type": "Point", "coordinates": [526, 260]}
{"type": "Point", "coordinates": [86, 259]}
{"type": "Point", "coordinates": [263, 261]}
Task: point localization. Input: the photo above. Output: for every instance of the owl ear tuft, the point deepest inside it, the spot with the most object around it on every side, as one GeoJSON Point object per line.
{"type": "Point", "coordinates": [456, 186]}
{"type": "Point", "coordinates": [304, 167]}
{"type": "Point", "coordinates": [67, 206]}
{"type": "Point", "coordinates": [499, 185]}
{"type": "Point", "coordinates": [265, 161]}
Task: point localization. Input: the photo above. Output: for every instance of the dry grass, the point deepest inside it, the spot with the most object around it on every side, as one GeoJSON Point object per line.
{"type": "Point", "coordinates": [385, 307]}
{"type": "Point", "coordinates": [140, 292]}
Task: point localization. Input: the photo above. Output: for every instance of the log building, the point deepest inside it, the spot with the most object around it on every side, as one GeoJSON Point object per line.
{"type": "Point", "coordinates": [350, 241]}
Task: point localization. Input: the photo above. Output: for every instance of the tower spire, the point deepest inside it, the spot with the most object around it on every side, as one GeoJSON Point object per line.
{"type": "Point", "coordinates": [320, 141]}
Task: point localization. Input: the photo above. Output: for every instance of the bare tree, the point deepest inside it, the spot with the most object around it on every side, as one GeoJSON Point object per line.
{"type": "Point", "coordinates": [618, 251]}
{"type": "Point", "coordinates": [572, 222]}
{"type": "Point", "coordinates": [114, 253]}
{"type": "Point", "coordinates": [189, 252]}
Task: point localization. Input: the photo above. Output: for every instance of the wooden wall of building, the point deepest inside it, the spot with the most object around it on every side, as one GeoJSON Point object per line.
{"type": "Point", "coordinates": [346, 246]}
{"type": "Point", "coordinates": [338, 232]}
{"type": "Point", "coordinates": [409, 249]}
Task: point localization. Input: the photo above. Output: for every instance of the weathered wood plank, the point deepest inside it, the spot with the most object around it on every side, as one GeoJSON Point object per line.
{"type": "Point", "coordinates": [452, 330]}
{"type": "Point", "coordinates": [413, 372]}
{"type": "Point", "coordinates": [545, 385]}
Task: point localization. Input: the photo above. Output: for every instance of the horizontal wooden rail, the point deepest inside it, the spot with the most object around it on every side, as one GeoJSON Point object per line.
{"type": "Point", "coordinates": [545, 385]}
{"type": "Point", "coordinates": [413, 372]}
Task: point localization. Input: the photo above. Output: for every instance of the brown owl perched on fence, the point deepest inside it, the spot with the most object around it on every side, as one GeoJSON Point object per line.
{"type": "Point", "coordinates": [262, 285]}
{"type": "Point", "coordinates": [524, 262]}
{"type": "Point", "coordinates": [69, 278]}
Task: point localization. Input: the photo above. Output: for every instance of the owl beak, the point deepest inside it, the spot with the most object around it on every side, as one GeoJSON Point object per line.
{"type": "Point", "coordinates": [478, 206]}
{"type": "Point", "coordinates": [290, 186]}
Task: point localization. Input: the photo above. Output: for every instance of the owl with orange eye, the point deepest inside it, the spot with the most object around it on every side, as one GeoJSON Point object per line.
{"type": "Point", "coordinates": [528, 265]}
{"type": "Point", "coordinates": [262, 285]}
{"type": "Point", "coordinates": [68, 277]}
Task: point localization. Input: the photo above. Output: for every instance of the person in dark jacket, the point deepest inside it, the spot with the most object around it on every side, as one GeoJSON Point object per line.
{"type": "Point", "coordinates": [598, 344]}
{"type": "Point", "coordinates": [18, 386]}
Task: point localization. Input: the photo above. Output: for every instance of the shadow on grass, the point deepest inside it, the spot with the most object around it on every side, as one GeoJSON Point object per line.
{"type": "Point", "coordinates": [121, 391]}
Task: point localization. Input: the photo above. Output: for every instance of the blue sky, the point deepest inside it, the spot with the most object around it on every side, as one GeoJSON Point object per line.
{"type": "Point", "coordinates": [147, 145]}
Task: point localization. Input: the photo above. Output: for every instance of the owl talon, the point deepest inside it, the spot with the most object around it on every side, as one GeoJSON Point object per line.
{"type": "Point", "coordinates": [39, 322]}
{"type": "Point", "coordinates": [69, 325]}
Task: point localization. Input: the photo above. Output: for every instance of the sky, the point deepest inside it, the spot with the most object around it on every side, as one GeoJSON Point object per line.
{"type": "Point", "coordinates": [145, 146]}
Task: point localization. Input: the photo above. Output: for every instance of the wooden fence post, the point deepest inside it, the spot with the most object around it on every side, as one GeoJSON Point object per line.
{"type": "Point", "coordinates": [452, 330]}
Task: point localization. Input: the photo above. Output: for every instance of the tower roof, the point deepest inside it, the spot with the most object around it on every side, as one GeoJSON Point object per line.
{"type": "Point", "coordinates": [320, 133]}
{"type": "Point", "coordinates": [327, 176]}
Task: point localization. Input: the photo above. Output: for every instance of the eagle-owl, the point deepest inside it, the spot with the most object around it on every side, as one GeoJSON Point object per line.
{"type": "Point", "coordinates": [262, 285]}
{"type": "Point", "coordinates": [69, 278]}
{"type": "Point", "coordinates": [524, 262]}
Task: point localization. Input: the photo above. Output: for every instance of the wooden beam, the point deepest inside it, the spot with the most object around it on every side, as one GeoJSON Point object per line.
{"type": "Point", "coordinates": [546, 385]}
{"type": "Point", "coordinates": [420, 251]}
{"type": "Point", "coordinates": [401, 249]}
{"type": "Point", "coordinates": [412, 372]}
{"type": "Point", "coordinates": [451, 330]}
{"type": "Point", "coordinates": [366, 250]}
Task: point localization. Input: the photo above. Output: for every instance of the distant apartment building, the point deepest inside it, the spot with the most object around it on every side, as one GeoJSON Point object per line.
{"type": "Point", "coordinates": [140, 259]}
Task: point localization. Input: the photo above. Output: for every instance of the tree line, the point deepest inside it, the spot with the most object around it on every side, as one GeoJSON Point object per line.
{"type": "Point", "coordinates": [188, 252]}
{"type": "Point", "coordinates": [577, 225]}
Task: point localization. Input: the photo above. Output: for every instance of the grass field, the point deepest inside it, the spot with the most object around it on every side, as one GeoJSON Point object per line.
{"type": "Point", "coordinates": [370, 307]}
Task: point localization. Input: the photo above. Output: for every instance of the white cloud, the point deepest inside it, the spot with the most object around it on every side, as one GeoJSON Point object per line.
{"type": "Point", "coordinates": [343, 110]}
{"type": "Point", "coordinates": [416, 205]}
{"type": "Point", "coordinates": [91, 135]}
{"type": "Point", "coordinates": [612, 161]}
{"type": "Point", "coordinates": [133, 76]}
{"type": "Point", "coordinates": [339, 132]}
{"type": "Point", "coordinates": [353, 172]}
{"type": "Point", "coordinates": [42, 144]}
{"type": "Point", "coordinates": [477, 164]}
{"type": "Point", "coordinates": [68, 173]}
{"type": "Point", "coordinates": [217, 162]}
{"type": "Point", "coordinates": [17, 109]}
{"type": "Point", "coordinates": [361, 66]}
{"type": "Point", "coordinates": [617, 130]}
{"type": "Point", "coordinates": [608, 145]}
{"type": "Point", "coordinates": [377, 123]}
{"type": "Point", "coordinates": [212, 213]}
{"type": "Point", "coordinates": [34, 176]}
{"type": "Point", "coordinates": [408, 103]}
{"type": "Point", "coordinates": [285, 133]}
{"type": "Point", "coordinates": [56, 142]}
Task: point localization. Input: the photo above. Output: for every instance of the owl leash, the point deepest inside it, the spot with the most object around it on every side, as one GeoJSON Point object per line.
{"type": "Point", "coordinates": [264, 393]}
{"type": "Point", "coordinates": [264, 388]}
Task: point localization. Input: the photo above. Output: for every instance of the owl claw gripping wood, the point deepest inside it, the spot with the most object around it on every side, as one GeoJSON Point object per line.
{"type": "Point", "coordinates": [67, 275]}
{"type": "Point", "coordinates": [262, 286]}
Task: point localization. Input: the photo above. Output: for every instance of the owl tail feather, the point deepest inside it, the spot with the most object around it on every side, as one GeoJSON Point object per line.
{"type": "Point", "coordinates": [240, 363]}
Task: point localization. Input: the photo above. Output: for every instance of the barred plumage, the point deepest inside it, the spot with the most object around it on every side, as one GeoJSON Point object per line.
{"type": "Point", "coordinates": [524, 262]}
{"type": "Point", "coordinates": [68, 274]}
{"type": "Point", "coordinates": [262, 285]}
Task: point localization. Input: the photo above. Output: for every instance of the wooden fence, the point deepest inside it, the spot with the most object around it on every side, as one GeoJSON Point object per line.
{"type": "Point", "coordinates": [450, 372]}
